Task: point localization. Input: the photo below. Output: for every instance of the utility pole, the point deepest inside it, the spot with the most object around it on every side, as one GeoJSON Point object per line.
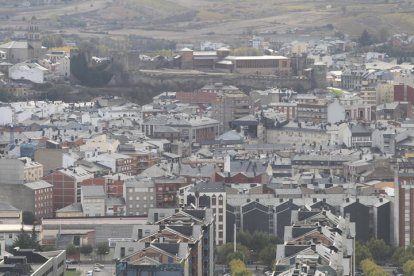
{"type": "Point", "coordinates": [235, 239]}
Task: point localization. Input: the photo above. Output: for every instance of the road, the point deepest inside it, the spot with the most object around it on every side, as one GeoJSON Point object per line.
{"type": "Point", "coordinates": [108, 270]}
{"type": "Point", "coordinates": [219, 270]}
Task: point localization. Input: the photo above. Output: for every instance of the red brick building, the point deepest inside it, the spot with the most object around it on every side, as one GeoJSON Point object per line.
{"type": "Point", "coordinates": [112, 184]}
{"type": "Point", "coordinates": [197, 97]}
{"type": "Point", "coordinates": [166, 191]}
{"type": "Point", "coordinates": [42, 197]}
{"type": "Point", "coordinates": [238, 178]}
{"type": "Point", "coordinates": [403, 93]}
{"type": "Point", "coordinates": [66, 186]}
{"type": "Point", "coordinates": [404, 211]}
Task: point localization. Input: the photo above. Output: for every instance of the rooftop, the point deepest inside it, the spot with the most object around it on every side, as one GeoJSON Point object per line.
{"type": "Point", "coordinates": [93, 191]}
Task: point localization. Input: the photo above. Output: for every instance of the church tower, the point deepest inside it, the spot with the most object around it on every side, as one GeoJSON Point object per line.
{"type": "Point", "coordinates": [34, 40]}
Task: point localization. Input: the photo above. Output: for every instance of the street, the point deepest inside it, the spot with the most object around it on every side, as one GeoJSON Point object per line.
{"type": "Point", "coordinates": [220, 270]}
{"type": "Point", "coordinates": [108, 270]}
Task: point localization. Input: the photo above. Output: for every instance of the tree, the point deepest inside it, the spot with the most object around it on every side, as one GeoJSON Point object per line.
{"type": "Point", "coordinates": [379, 249]}
{"type": "Point", "coordinates": [71, 250]}
{"type": "Point", "coordinates": [102, 249]}
{"type": "Point", "coordinates": [28, 218]}
{"type": "Point", "coordinates": [244, 238]}
{"type": "Point", "coordinates": [48, 248]}
{"type": "Point", "coordinates": [52, 40]}
{"type": "Point", "coordinates": [371, 269]}
{"type": "Point", "coordinates": [238, 255]}
{"type": "Point", "coordinates": [383, 34]}
{"type": "Point", "coordinates": [26, 241]}
{"type": "Point", "coordinates": [408, 268]}
{"type": "Point", "coordinates": [361, 253]}
{"type": "Point", "coordinates": [96, 76]}
{"type": "Point", "coordinates": [226, 250]}
{"type": "Point", "coordinates": [22, 240]}
{"type": "Point", "coordinates": [267, 254]}
{"type": "Point", "coordinates": [34, 240]}
{"type": "Point", "coordinates": [365, 39]}
{"type": "Point", "coordinates": [402, 255]}
{"type": "Point", "coordinates": [86, 249]}
{"type": "Point", "coordinates": [238, 268]}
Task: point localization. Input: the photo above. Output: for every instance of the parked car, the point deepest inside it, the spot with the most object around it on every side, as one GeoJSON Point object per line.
{"type": "Point", "coordinates": [99, 265]}
{"type": "Point", "coordinates": [71, 261]}
{"type": "Point", "coordinates": [97, 269]}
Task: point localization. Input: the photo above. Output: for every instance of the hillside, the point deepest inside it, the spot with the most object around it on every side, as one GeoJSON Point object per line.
{"type": "Point", "coordinates": [189, 20]}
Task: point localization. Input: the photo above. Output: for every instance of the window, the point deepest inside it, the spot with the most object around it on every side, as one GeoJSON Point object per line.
{"type": "Point", "coordinates": [213, 200]}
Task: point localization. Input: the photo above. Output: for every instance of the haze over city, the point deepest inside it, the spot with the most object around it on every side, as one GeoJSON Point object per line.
{"type": "Point", "coordinates": [205, 137]}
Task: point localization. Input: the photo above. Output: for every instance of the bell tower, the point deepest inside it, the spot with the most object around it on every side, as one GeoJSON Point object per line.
{"type": "Point", "coordinates": [34, 40]}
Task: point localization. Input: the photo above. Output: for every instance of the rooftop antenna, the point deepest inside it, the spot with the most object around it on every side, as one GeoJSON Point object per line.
{"type": "Point", "coordinates": [12, 134]}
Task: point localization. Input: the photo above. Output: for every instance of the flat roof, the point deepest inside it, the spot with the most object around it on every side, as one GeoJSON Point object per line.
{"type": "Point", "coordinates": [95, 220]}
{"type": "Point", "coordinates": [255, 58]}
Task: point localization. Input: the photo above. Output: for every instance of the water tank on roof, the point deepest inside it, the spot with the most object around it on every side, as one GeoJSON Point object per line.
{"type": "Point", "coordinates": [27, 150]}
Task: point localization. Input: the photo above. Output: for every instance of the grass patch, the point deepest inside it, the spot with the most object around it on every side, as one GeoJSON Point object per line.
{"type": "Point", "coordinates": [159, 5]}
{"type": "Point", "coordinates": [336, 92]}
{"type": "Point", "coordinates": [72, 273]}
{"type": "Point", "coordinates": [206, 15]}
{"type": "Point", "coordinates": [404, 21]}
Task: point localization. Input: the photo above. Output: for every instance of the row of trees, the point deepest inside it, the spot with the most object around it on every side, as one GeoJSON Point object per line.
{"type": "Point", "coordinates": [369, 268]}
{"type": "Point", "coordinates": [367, 39]}
{"type": "Point", "coordinates": [376, 250]}
{"type": "Point", "coordinates": [403, 254]}
{"type": "Point", "coordinates": [259, 246]}
{"type": "Point", "coordinates": [101, 249]}
{"type": "Point", "coordinates": [25, 240]}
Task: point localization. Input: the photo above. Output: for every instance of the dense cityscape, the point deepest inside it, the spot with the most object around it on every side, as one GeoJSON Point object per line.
{"type": "Point", "coordinates": [131, 147]}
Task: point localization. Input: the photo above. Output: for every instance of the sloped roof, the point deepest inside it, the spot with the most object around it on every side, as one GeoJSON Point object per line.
{"type": "Point", "coordinates": [230, 136]}
{"type": "Point", "coordinates": [15, 45]}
